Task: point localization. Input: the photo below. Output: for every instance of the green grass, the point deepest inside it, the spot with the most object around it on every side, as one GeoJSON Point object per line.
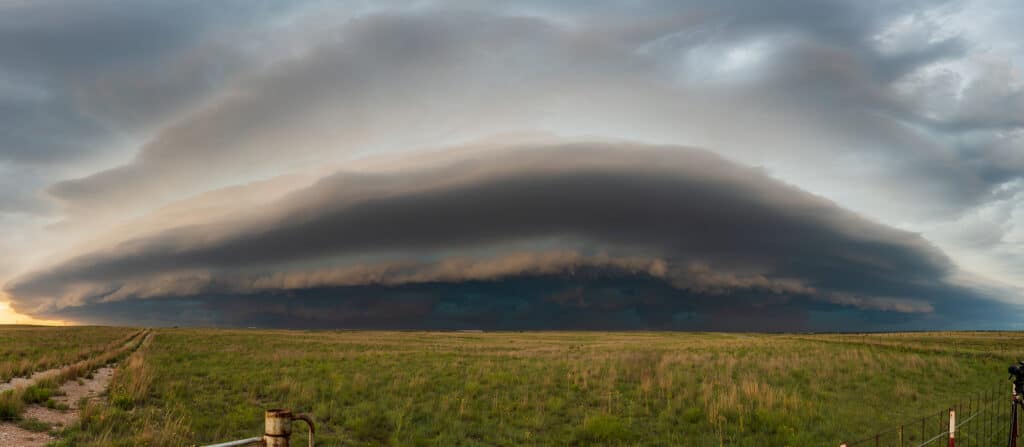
{"type": "Point", "coordinates": [439, 389]}
{"type": "Point", "coordinates": [34, 425]}
{"type": "Point", "coordinates": [11, 405]}
{"type": "Point", "coordinates": [13, 402]}
{"type": "Point", "coordinates": [603, 429]}
{"type": "Point", "coordinates": [27, 349]}
{"type": "Point", "coordinates": [39, 393]}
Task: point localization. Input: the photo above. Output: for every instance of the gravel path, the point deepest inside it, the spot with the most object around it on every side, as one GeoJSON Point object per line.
{"type": "Point", "coordinates": [21, 382]}
{"type": "Point", "coordinates": [13, 436]}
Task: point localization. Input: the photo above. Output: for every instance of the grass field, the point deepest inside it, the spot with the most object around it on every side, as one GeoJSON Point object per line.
{"type": "Point", "coordinates": [191, 387]}
{"type": "Point", "coordinates": [41, 389]}
{"type": "Point", "coordinates": [26, 349]}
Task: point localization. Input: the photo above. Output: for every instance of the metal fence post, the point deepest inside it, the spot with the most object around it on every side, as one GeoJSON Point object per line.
{"type": "Point", "coordinates": [952, 427]}
{"type": "Point", "coordinates": [1013, 416]}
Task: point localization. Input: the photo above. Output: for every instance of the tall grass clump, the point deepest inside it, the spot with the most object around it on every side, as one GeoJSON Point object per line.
{"type": "Point", "coordinates": [39, 393]}
{"type": "Point", "coordinates": [11, 405]}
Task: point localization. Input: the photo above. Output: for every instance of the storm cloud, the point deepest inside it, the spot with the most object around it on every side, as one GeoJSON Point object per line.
{"type": "Point", "coordinates": [685, 217]}
{"type": "Point", "coordinates": [154, 153]}
{"type": "Point", "coordinates": [837, 69]}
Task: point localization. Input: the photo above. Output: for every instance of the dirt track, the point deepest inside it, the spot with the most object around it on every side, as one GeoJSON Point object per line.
{"type": "Point", "coordinates": [72, 393]}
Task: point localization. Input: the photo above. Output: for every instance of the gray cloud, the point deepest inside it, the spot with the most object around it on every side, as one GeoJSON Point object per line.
{"type": "Point", "coordinates": [441, 74]}
{"type": "Point", "coordinates": [696, 221]}
{"type": "Point", "coordinates": [426, 75]}
{"type": "Point", "coordinates": [19, 191]}
{"type": "Point", "coordinates": [82, 77]}
{"type": "Point", "coordinates": [907, 112]}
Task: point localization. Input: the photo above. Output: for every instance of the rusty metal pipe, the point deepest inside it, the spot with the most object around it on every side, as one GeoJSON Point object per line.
{"type": "Point", "coordinates": [278, 427]}
{"type": "Point", "coordinates": [309, 423]}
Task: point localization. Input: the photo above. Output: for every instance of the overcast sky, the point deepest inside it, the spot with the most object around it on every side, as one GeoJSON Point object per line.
{"type": "Point", "coordinates": [695, 164]}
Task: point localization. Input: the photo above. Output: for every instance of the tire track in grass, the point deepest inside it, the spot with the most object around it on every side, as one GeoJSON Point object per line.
{"type": "Point", "coordinates": [51, 407]}
{"type": "Point", "coordinates": [38, 376]}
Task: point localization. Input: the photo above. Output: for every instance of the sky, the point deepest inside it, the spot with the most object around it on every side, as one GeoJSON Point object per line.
{"type": "Point", "coordinates": [678, 165]}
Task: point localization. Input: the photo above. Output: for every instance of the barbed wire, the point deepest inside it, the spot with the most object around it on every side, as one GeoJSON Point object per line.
{"type": "Point", "coordinates": [982, 419]}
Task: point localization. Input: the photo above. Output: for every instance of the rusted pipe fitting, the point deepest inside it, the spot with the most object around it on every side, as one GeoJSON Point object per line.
{"type": "Point", "coordinates": [278, 427]}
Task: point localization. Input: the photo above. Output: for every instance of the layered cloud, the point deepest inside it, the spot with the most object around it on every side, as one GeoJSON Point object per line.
{"type": "Point", "coordinates": [685, 217]}
{"type": "Point", "coordinates": [860, 76]}
{"type": "Point", "coordinates": [151, 149]}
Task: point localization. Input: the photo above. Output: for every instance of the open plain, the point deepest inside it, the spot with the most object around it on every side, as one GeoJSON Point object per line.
{"type": "Point", "coordinates": [368, 388]}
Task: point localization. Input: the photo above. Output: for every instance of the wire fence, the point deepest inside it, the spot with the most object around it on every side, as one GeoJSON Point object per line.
{"type": "Point", "coordinates": [981, 420]}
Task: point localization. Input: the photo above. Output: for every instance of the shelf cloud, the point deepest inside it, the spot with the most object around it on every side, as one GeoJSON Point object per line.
{"type": "Point", "coordinates": [685, 217]}
{"type": "Point", "coordinates": [854, 164]}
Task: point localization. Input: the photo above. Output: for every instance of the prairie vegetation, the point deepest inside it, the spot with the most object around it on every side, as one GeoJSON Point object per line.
{"type": "Point", "coordinates": [27, 349]}
{"type": "Point", "coordinates": [191, 387]}
{"type": "Point", "coordinates": [13, 401]}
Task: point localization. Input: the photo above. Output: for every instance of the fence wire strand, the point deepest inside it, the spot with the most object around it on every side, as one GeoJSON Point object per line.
{"type": "Point", "coordinates": [982, 420]}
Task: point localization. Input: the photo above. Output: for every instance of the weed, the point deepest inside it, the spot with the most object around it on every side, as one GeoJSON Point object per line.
{"type": "Point", "coordinates": [121, 401]}
{"type": "Point", "coordinates": [37, 394]}
{"type": "Point", "coordinates": [373, 426]}
{"type": "Point", "coordinates": [603, 430]}
{"type": "Point", "coordinates": [34, 425]}
{"type": "Point", "coordinates": [54, 405]}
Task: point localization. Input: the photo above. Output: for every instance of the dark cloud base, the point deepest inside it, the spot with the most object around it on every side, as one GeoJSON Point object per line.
{"type": "Point", "coordinates": [716, 246]}
{"type": "Point", "coordinates": [587, 300]}
{"type": "Point", "coordinates": [677, 203]}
